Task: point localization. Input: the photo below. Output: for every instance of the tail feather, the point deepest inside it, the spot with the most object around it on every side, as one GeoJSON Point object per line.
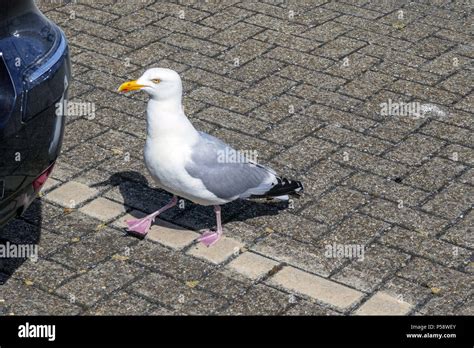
{"type": "Point", "coordinates": [283, 187]}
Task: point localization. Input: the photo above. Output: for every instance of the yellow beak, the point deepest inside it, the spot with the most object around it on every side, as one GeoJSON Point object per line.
{"type": "Point", "coordinates": [129, 86]}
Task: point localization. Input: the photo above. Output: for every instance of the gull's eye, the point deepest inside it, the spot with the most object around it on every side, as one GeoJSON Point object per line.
{"type": "Point", "coordinates": [156, 80]}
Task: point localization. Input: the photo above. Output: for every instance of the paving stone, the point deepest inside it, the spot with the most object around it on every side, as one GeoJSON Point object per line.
{"type": "Point", "coordinates": [350, 138]}
{"type": "Point", "coordinates": [326, 31]}
{"type": "Point", "coordinates": [91, 14]}
{"type": "Point", "coordinates": [448, 283]}
{"type": "Point", "coordinates": [379, 263]}
{"type": "Point", "coordinates": [268, 88]}
{"type": "Point", "coordinates": [290, 131]}
{"type": "Point", "coordinates": [220, 99]}
{"type": "Point", "coordinates": [226, 17]}
{"type": "Point", "coordinates": [175, 24]}
{"type": "Point", "coordinates": [434, 174]}
{"type": "Point", "coordinates": [285, 222]}
{"type": "Point", "coordinates": [71, 194]}
{"type": "Point", "coordinates": [460, 82]}
{"type": "Point", "coordinates": [43, 273]}
{"type": "Point", "coordinates": [335, 117]}
{"type": "Point", "coordinates": [432, 47]}
{"type": "Point", "coordinates": [317, 288]}
{"type": "Point", "coordinates": [286, 40]}
{"type": "Point", "coordinates": [308, 308]}
{"type": "Point", "coordinates": [259, 300]}
{"type": "Point", "coordinates": [219, 252]}
{"type": "Point", "coordinates": [280, 108]}
{"type": "Point", "coordinates": [216, 81]}
{"type": "Point", "coordinates": [299, 58]}
{"type": "Point", "coordinates": [286, 26]}
{"type": "Point", "coordinates": [366, 85]}
{"type": "Point", "coordinates": [452, 201]}
{"type": "Point", "coordinates": [384, 304]}
{"type": "Point", "coordinates": [335, 205]}
{"type": "Point", "coordinates": [314, 149]}
{"type": "Point", "coordinates": [327, 98]}
{"type": "Point", "coordinates": [406, 217]}
{"type": "Point", "coordinates": [163, 290]}
{"type": "Point", "coordinates": [414, 149]}
{"type": "Point", "coordinates": [256, 70]}
{"type": "Point", "coordinates": [225, 283]}
{"type": "Point", "coordinates": [75, 156]}
{"type": "Point", "coordinates": [233, 120]}
{"type": "Point", "coordinates": [20, 299]}
{"type": "Point", "coordinates": [458, 153]}
{"type": "Point", "coordinates": [387, 189]}
{"type": "Point", "coordinates": [169, 262]}
{"type": "Point", "coordinates": [252, 265]}
{"type": "Point", "coordinates": [103, 209]}
{"type": "Point", "coordinates": [87, 252]}
{"type": "Point", "coordinates": [323, 81]}
{"type": "Point", "coordinates": [141, 198]}
{"type": "Point", "coordinates": [122, 303]}
{"type": "Point", "coordinates": [239, 32]}
{"type": "Point", "coordinates": [364, 161]}
{"type": "Point", "coordinates": [171, 235]}
{"type": "Point", "coordinates": [310, 257]}
{"type": "Point", "coordinates": [461, 232]}
{"type": "Point", "coordinates": [450, 133]}
{"type": "Point", "coordinates": [102, 46]}
{"type": "Point", "coordinates": [416, 243]}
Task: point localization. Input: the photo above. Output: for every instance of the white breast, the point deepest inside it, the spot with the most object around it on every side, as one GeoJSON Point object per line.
{"type": "Point", "coordinates": [166, 158]}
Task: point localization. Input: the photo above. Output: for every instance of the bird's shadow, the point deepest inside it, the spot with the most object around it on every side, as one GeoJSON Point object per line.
{"type": "Point", "coordinates": [186, 213]}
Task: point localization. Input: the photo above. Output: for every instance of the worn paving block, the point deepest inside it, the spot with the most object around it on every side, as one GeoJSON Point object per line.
{"type": "Point", "coordinates": [224, 248]}
{"type": "Point", "coordinates": [91, 250]}
{"type": "Point", "coordinates": [171, 235]}
{"type": "Point", "coordinates": [259, 300]}
{"type": "Point", "coordinates": [297, 158]}
{"type": "Point", "coordinates": [405, 216]}
{"type": "Point", "coordinates": [461, 232]}
{"type": "Point", "coordinates": [439, 279]}
{"type": "Point", "coordinates": [170, 262]}
{"type": "Point", "coordinates": [175, 294]}
{"type": "Point", "coordinates": [252, 265]}
{"type": "Point", "coordinates": [333, 206]}
{"type": "Point", "coordinates": [224, 283]}
{"type": "Point", "coordinates": [90, 287]}
{"type": "Point", "coordinates": [387, 189]}
{"type": "Point", "coordinates": [416, 243]}
{"type": "Point", "coordinates": [317, 288]}
{"type": "Point", "coordinates": [71, 194]}
{"type": "Point", "coordinates": [414, 150]}
{"type": "Point", "coordinates": [433, 174]}
{"type": "Point", "coordinates": [305, 308]}
{"type": "Point", "coordinates": [452, 201]}
{"type": "Point", "coordinates": [379, 263]}
{"type": "Point", "coordinates": [302, 255]}
{"type": "Point", "coordinates": [103, 209]}
{"type": "Point", "coordinates": [353, 139]}
{"type": "Point", "coordinates": [21, 299]}
{"type": "Point", "coordinates": [123, 303]}
{"type": "Point", "coordinates": [384, 304]}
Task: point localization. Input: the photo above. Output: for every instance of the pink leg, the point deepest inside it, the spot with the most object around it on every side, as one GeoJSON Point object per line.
{"type": "Point", "coordinates": [209, 237]}
{"type": "Point", "coordinates": [141, 226]}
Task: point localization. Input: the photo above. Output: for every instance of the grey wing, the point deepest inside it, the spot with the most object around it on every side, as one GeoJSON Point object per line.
{"type": "Point", "coordinates": [222, 171]}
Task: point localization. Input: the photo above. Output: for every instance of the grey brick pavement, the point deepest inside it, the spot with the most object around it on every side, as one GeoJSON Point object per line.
{"type": "Point", "coordinates": [302, 83]}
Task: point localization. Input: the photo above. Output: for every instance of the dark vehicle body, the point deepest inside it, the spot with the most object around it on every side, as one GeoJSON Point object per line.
{"type": "Point", "coordinates": [34, 77]}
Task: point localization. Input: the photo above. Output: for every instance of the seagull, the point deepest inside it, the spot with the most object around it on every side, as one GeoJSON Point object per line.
{"type": "Point", "coordinates": [192, 164]}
